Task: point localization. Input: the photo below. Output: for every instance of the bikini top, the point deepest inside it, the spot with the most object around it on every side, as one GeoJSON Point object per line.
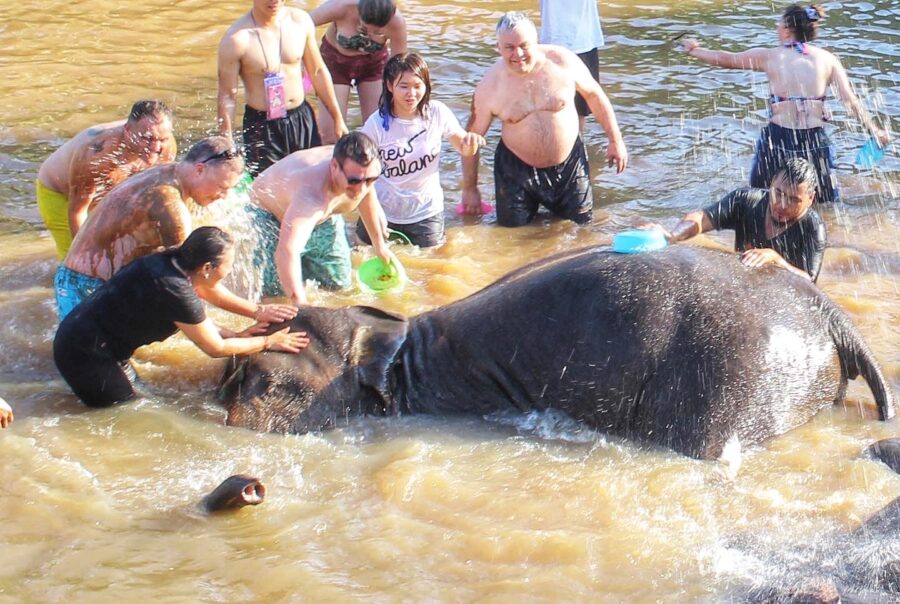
{"type": "Point", "coordinates": [801, 48]}
{"type": "Point", "coordinates": [358, 41]}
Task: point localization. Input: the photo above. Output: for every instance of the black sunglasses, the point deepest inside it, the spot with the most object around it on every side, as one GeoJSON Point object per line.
{"type": "Point", "coordinates": [353, 180]}
{"type": "Point", "coordinates": [225, 155]}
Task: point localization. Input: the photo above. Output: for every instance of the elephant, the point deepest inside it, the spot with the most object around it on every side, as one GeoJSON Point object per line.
{"type": "Point", "coordinates": [684, 348]}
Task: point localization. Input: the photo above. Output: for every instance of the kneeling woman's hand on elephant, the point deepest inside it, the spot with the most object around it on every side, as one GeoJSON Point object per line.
{"type": "Point", "coordinates": [285, 340]}
{"type": "Point", "coordinates": [275, 313]}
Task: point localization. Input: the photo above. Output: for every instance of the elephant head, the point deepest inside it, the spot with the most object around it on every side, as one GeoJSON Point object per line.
{"type": "Point", "coordinates": [345, 371]}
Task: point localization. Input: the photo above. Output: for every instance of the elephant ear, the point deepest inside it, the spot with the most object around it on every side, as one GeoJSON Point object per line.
{"type": "Point", "coordinates": [376, 339]}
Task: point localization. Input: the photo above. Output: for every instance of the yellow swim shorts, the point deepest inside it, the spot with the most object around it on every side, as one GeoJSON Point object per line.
{"type": "Point", "coordinates": [54, 209]}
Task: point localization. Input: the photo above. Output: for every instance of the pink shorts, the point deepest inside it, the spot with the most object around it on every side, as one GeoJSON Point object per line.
{"type": "Point", "coordinates": [350, 70]}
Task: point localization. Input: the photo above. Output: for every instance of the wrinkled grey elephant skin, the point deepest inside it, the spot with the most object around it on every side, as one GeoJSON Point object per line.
{"type": "Point", "coordinates": [683, 348]}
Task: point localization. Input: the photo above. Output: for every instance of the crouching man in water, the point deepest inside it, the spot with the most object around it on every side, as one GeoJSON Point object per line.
{"type": "Point", "coordinates": [541, 159]}
{"type": "Point", "coordinates": [772, 226]}
{"type": "Point", "coordinates": [148, 301]}
{"type": "Point", "coordinates": [297, 207]}
{"type": "Point", "coordinates": [149, 213]}
{"type": "Point", "coordinates": [78, 174]}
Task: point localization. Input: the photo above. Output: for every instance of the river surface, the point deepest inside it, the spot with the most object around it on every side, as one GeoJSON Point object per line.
{"type": "Point", "coordinates": [98, 505]}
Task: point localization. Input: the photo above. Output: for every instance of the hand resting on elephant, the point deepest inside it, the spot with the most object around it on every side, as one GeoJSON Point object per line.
{"type": "Point", "coordinates": [148, 301]}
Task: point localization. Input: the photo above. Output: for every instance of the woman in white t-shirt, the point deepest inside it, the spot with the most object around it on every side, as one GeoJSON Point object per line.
{"type": "Point", "coordinates": [408, 129]}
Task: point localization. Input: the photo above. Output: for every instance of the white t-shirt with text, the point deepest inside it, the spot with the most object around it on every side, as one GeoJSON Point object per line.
{"type": "Point", "coordinates": [409, 189]}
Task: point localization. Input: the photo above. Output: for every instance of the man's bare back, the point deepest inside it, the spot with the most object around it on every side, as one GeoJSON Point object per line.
{"type": "Point", "coordinates": [141, 216]}
{"type": "Point", "coordinates": [540, 123]}
{"type": "Point", "coordinates": [301, 178]}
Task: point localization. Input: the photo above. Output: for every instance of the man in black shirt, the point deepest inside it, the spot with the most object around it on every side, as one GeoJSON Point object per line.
{"type": "Point", "coordinates": [772, 226]}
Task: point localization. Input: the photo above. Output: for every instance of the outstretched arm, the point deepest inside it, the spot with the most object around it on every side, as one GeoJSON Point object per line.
{"type": "Point", "coordinates": [320, 77]}
{"type": "Point", "coordinates": [397, 34]}
{"type": "Point", "coordinates": [85, 185]}
{"type": "Point", "coordinates": [229, 65]}
{"type": "Point", "coordinates": [222, 297]}
{"type": "Point", "coordinates": [762, 256]}
{"type": "Point", "coordinates": [754, 59]}
{"type": "Point", "coordinates": [691, 225]}
{"type": "Point", "coordinates": [207, 338]}
{"type": "Point", "coordinates": [373, 219]}
{"type": "Point", "coordinates": [845, 92]}
{"type": "Point", "coordinates": [296, 227]}
{"type": "Point", "coordinates": [480, 120]}
{"type": "Point", "coordinates": [327, 12]}
{"type": "Point", "coordinates": [599, 104]}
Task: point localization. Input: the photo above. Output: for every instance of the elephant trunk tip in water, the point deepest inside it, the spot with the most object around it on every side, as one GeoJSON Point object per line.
{"type": "Point", "coordinates": [234, 493]}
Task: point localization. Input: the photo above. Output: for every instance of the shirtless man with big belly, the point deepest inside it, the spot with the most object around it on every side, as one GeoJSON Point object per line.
{"type": "Point", "coordinates": [541, 159]}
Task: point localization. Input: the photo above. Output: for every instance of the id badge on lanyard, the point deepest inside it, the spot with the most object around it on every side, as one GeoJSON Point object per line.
{"type": "Point", "coordinates": [275, 97]}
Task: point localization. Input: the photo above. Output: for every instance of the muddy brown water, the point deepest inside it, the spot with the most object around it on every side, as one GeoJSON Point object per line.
{"type": "Point", "coordinates": [98, 505]}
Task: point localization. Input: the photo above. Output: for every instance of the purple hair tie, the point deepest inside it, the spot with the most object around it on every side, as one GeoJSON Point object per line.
{"type": "Point", "coordinates": [811, 13]}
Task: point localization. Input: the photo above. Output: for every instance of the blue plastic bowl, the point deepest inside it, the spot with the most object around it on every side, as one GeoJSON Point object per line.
{"type": "Point", "coordinates": [869, 154]}
{"type": "Point", "coordinates": [635, 242]}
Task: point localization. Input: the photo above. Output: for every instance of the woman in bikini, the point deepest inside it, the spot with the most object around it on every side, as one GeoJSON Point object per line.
{"type": "Point", "coordinates": [355, 50]}
{"type": "Point", "coordinates": [799, 76]}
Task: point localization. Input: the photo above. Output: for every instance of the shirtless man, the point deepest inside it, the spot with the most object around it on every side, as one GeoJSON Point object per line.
{"type": "Point", "coordinates": [77, 175]}
{"type": "Point", "coordinates": [541, 158]}
{"type": "Point", "coordinates": [298, 203]}
{"type": "Point", "coordinates": [148, 213]}
{"type": "Point", "coordinates": [265, 49]}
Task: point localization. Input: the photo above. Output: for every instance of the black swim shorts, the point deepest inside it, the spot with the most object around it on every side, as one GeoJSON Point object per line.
{"type": "Point", "coordinates": [266, 141]}
{"type": "Point", "coordinates": [427, 232]}
{"type": "Point", "coordinates": [520, 189]}
{"type": "Point", "coordinates": [777, 144]}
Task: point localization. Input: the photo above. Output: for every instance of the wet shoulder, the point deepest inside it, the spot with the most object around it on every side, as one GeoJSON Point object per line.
{"type": "Point", "coordinates": [558, 55]}
{"type": "Point", "coordinates": [239, 31]}
{"type": "Point", "coordinates": [299, 18]}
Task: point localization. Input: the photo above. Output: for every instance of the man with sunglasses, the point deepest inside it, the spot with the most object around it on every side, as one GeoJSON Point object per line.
{"type": "Point", "coordinates": [149, 213]}
{"type": "Point", "coordinates": [77, 175]}
{"type": "Point", "coordinates": [297, 210]}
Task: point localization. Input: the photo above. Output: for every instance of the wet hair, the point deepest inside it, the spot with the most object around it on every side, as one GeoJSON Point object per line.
{"type": "Point", "coordinates": [406, 62]}
{"type": "Point", "coordinates": [204, 244]}
{"type": "Point", "coordinates": [356, 146]}
{"type": "Point", "coordinates": [154, 109]}
{"type": "Point", "coordinates": [214, 150]}
{"type": "Point", "coordinates": [376, 12]}
{"type": "Point", "coordinates": [513, 19]}
{"type": "Point", "coordinates": [796, 172]}
{"type": "Point", "coordinates": [803, 21]}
